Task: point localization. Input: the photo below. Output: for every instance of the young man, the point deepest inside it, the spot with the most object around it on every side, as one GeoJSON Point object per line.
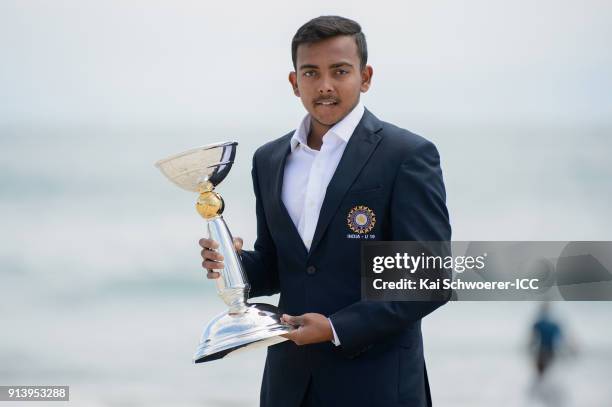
{"type": "Point", "coordinates": [341, 177]}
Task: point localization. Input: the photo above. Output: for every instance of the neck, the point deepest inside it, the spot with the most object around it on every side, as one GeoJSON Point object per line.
{"type": "Point", "coordinates": [315, 137]}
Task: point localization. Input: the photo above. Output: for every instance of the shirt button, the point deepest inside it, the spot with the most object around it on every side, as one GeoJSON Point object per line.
{"type": "Point", "coordinates": [311, 270]}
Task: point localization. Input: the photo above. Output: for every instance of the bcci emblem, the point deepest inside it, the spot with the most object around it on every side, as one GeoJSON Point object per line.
{"type": "Point", "coordinates": [361, 219]}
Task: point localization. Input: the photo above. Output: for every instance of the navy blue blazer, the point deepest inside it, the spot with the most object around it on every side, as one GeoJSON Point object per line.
{"type": "Point", "coordinates": [396, 175]}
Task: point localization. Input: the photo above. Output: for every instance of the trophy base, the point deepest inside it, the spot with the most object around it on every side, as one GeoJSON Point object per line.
{"type": "Point", "coordinates": [227, 334]}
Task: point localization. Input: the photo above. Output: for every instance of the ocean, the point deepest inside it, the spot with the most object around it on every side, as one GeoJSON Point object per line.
{"type": "Point", "coordinates": [102, 289]}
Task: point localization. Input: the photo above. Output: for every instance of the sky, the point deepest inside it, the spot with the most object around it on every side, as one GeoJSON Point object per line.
{"type": "Point", "coordinates": [195, 62]}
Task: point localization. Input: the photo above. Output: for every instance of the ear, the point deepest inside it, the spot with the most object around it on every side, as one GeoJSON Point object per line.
{"type": "Point", "coordinates": [294, 84]}
{"type": "Point", "coordinates": [366, 78]}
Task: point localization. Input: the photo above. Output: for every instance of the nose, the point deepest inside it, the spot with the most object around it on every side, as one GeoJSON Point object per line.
{"type": "Point", "coordinates": [325, 86]}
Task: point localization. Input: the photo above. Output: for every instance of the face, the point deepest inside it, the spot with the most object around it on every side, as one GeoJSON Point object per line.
{"type": "Point", "coordinates": [329, 80]}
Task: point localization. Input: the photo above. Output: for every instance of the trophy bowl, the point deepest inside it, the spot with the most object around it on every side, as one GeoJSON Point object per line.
{"type": "Point", "coordinates": [191, 168]}
{"type": "Point", "coordinates": [243, 325]}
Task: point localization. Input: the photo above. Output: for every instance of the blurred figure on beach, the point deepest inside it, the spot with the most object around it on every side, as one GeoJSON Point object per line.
{"type": "Point", "coordinates": [548, 343]}
{"type": "Point", "coordinates": [546, 338]}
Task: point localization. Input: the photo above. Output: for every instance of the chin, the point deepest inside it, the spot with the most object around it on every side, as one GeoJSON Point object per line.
{"type": "Point", "coordinates": [329, 120]}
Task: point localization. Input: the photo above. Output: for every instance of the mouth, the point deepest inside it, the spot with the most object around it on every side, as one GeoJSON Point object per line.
{"type": "Point", "coordinates": [326, 102]}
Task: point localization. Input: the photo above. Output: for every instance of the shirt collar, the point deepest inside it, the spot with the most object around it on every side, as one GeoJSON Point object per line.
{"type": "Point", "coordinates": [343, 129]}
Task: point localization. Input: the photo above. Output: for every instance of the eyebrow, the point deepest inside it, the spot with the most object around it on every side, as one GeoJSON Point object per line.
{"type": "Point", "coordinates": [339, 64]}
{"type": "Point", "coordinates": [336, 65]}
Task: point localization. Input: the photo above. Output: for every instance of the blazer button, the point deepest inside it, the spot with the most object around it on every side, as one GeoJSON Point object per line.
{"type": "Point", "coordinates": [311, 270]}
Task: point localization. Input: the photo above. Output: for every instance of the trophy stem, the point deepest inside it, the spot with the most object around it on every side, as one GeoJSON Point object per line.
{"type": "Point", "coordinates": [232, 286]}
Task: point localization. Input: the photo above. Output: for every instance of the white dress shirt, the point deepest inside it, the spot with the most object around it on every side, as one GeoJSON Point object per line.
{"type": "Point", "coordinates": [308, 172]}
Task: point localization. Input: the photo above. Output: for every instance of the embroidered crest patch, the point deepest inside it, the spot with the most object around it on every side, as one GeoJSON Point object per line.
{"type": "Point", "coordinates": [361, 219]}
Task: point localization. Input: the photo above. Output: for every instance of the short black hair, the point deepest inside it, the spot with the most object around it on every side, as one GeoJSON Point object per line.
{"type": "Point", "coordinates": [324, 27]}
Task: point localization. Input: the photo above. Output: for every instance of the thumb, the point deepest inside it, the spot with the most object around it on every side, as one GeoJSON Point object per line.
{"type": "Point", "coordinates": [291, 320]}
{"type": "Point", "coordinates": [238, 244]}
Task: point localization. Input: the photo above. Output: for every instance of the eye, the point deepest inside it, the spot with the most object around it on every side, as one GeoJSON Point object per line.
{"type": "Point", "coordinates": [341, 71]}
{"type": "Point", "coordinates": [309, 74]}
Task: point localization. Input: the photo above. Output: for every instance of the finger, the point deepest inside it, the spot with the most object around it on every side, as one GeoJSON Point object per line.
{"type": "Point", "coordinates": [295, 336]}
{"type": "Point", "coordinates": [208, 243]}
{"type": "Point", "coordinates": [208, 264]}
{"type": "Point", "coordinates": [212, 275]}
{"type": "Point", "coordinates": [238, 242]}
{"type": "Point", "coordinates": [211, 255]}
{"type": "Point", "coordinates": [289, 335]}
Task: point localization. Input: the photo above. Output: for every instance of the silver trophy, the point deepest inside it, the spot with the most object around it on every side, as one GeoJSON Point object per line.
{"type": "Point", "coordinates": [243, 325]}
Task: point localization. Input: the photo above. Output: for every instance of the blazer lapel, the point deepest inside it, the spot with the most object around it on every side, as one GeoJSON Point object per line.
{"type": "Point", "coordinates": [360, 147]}
{"type": "Point", "coordinates": [283, 217]}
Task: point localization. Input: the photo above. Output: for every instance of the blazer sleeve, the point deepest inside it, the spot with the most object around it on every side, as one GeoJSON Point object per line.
{"type": "Point", "coordinates": [260, 264]}
{"type": "Point", "coordinates": [417, 213]}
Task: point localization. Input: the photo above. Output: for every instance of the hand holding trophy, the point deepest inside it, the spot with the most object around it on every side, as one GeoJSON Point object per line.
{"type": "Point", "coordinates": [212, 260]}
{"type": "Point", "coordinates": [243, 325]}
